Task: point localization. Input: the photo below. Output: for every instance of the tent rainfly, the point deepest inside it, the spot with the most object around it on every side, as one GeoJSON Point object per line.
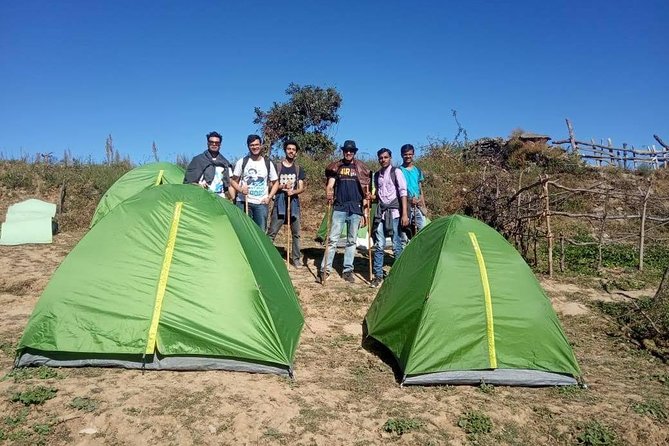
{"type": "Point", "coordinates": [461, 306]}
{"type": "Point", "coordinates": [135, 181]}
{"type": "Point", "coordinates": [175, 278]}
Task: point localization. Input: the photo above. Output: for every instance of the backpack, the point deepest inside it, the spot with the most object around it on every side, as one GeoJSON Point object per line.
{"type": "Point", "coordinates": [246, 160]}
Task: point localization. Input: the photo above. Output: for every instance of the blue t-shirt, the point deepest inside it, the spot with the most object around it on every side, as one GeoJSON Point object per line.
{"type": "Point", "coordinates": [414, 177]}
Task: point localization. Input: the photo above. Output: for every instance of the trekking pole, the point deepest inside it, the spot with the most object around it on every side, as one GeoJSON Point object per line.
{"type": "Point", "coordinates": [290, 234]}
{"type": "Point", "coordinates": [413, 220]}
{"type": "Point", "coordinates": [327, 243]}
{"type": "Point", "coordinates": [368, 213]}
{"type": "Point", "coordinates": [246, 204]}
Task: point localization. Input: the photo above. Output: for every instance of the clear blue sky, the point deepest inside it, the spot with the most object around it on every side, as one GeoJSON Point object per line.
{"type": "Point", "coordinates": [72, 72]}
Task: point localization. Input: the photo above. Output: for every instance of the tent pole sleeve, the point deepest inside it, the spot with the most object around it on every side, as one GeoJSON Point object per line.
{"type": "Point", "coordinates": [490, 326]}
{"type": "Point", "coordinates": [159, 179]}
{"type": "Point", "coordinates": [162, 282]}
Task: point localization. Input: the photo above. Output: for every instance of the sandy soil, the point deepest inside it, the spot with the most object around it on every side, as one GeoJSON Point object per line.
{"type": "Point", "coordinates": [342, 393]}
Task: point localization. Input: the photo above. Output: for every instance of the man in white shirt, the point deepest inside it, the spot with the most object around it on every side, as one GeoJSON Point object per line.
{"type": "Point", "coordinates": [255, 180]}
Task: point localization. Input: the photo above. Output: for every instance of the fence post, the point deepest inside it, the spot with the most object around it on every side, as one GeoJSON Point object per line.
{"type": "Point", "coordinates": [549, 234]}
{"type": "Point", "coordinates": [602, 228]}
{"type": "Point", "coordinates": [561, 252]}
{"type": "Point", "coordinates": [642, 230]}
{"type": "Point", "coordinates": [625, 156]}
{"type": "Point", "coordinates": [572, 138]}
{"type": "Point", "coordinates": [599, 159]}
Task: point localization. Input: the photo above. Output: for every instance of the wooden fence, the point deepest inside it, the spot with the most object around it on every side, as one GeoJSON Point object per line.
{"type": "Point", "coordinates": [536, 206]}
{"type": "Point", "coordinates": [626, 157]}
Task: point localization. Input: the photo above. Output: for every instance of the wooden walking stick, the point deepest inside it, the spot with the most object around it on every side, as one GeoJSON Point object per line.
{"type": "Point", "coordinates": [246, 201]}
{"type": "Point", "coordinates": [328, 221]}
{"type": "Point", "coordinates": [290, 234]}
{"type": "Point", "coordinates": [368, 213]}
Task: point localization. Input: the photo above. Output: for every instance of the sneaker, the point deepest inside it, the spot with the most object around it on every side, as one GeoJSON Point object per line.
{"type": "Point", "coordinates": [376, 282]}
{"type": "Point", "coordinates": [296, 263]}
{"type": "Point", "coordinates": [322, 277]}
{"type": "Point", "coordinates": [348, 276]}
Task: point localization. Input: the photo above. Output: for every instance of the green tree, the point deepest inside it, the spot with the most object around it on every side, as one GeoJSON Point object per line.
{"type": "Point", "coordinates": [306, 117]}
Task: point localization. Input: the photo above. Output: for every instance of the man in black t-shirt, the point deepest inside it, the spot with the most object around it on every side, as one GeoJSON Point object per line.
{"type": "Point", "coordinates": [291, 184]}
{"type": "Point", "coordinates": [348, 186]}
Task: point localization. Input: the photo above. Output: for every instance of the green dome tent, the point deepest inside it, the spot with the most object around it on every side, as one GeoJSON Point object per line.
{"type": "Point", "coordinates": [172, 278]}
{"type": "Point", "coordinates": [135, 181]}
{"type": "Point", "coordinates": [461, 306]}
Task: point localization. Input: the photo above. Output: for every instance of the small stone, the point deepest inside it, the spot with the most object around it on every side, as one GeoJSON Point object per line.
{"type": "Point", "coordinates": [212, 429]}
{"type": "Point", "coordinates": [89, 430]}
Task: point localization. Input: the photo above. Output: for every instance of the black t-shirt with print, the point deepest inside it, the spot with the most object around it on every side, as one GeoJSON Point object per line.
{"type": "Point", "coordinates": [288, 175]}
{"type": "Point", "coordinates": [348, 195]}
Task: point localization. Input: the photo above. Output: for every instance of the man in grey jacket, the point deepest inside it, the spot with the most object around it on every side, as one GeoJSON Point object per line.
{"type": "Point", "coordinates": [210, 169]}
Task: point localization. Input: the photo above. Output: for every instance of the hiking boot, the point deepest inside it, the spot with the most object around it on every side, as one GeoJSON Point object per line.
{"type": "Point", "coordinates": [376, 282]}
{"type": "Point", "coordinates": [348, 276]}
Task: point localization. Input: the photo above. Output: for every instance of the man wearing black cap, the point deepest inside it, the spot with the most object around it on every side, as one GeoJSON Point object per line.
{"type": "Point", "coordinates": [348, 187]}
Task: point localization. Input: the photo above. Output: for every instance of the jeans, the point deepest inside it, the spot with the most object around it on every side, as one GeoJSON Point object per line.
{"type": "Point", "coordinates": [275, 225]}
{"type": "Point", "coordinates": [417, 217]}
{"type": "Point", "coordinates": [257, 212]}
{"type": "Point", "coordinates": [339, 218]}
{"type": "Point", "coordinates": [380, 244]}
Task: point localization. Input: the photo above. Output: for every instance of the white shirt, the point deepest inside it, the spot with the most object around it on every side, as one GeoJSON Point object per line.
{"type": "Point", "coordinates": [255, 177]}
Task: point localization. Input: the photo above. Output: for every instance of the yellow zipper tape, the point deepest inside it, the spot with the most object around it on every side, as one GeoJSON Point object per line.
{"type": "Point", "coordinates": [162, 282]}
{"type": "Point", "coordinates": [490, 327]}
{"type": "Point", "coordinates": [160, 177]}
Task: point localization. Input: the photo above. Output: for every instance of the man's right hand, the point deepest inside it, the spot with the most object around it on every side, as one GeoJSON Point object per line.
{"type": "Point", "coordinates": [245, 190]}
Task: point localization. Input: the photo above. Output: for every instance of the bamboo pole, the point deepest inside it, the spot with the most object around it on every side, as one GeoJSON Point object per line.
{"type": "Point", "coordinates": [368, 215]}
{"type": "Point", "coordinates": [290, 234]}
{"type": "Point", "coordinates": [328, 223]}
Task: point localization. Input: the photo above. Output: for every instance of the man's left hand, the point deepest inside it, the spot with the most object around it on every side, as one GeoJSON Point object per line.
{"type": "Point", "coordinates": [405, 221]}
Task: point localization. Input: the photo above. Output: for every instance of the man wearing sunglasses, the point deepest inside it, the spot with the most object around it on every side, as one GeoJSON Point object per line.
{"type": "Point", "coordinates": [210, 169]}
{"type": "Point", "coordinates": [348, 188]}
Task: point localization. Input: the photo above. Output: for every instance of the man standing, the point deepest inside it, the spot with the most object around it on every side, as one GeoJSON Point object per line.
{"type": "Point", "coordinates": [348, 186]}
{"type": "Point", "coordinates": [210, 169]}
{"type": "Point", "coordinates": [391, 210]}
{"type": "Point", "coordinates": [291, 184]}
{"type": "Point", "coordinates": [414, 178]}
{"type": "Point", "coordinates": [254, 178]}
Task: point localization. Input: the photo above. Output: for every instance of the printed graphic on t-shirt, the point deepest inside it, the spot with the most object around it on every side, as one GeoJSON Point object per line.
{"type": "Point", "coordinates": [347, 171]}
{"type": "Point", "coordinates": [257, 184]}
{"type": "Point", "coordinates": [217, 185]}
{"type": "Point", "coordinates": [287, 178]}
{"type": "Point", "coordinates": [255, 177]}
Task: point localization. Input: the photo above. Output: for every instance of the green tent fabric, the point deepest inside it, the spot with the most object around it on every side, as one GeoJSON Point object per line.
{"type": "Point", "coordinates": [172, 278]}
{"type": "Point", "coordinates": [135, 181]}
{"type": "Point", "coordinates": [461, 306]}
{"type": "Point", "coordinates": [30, 221]}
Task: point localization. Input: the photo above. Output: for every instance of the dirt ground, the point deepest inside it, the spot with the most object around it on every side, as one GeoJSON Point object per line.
{"type": "Point", "coordinates": [342, 394]}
